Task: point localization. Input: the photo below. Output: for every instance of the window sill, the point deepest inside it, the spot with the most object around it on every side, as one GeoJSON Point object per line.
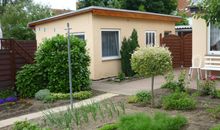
{"type": "Point", "coordinates": [111, 58]}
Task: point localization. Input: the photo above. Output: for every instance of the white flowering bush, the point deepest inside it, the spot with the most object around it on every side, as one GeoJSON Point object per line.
{"type": "Point", "coordinates": [151, 61]}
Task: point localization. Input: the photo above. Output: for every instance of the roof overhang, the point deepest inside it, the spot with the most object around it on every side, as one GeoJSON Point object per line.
{"type": "Point", "coordinates": [101, 11]}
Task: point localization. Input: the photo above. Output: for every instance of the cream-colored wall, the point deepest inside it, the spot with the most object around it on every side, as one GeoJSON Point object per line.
{"type": "Point", "coordinates": [110, 68]}
{"type": "Point", "coordinates": [199, 39]}
{"type": "Point", "coordinates": [81, 23]}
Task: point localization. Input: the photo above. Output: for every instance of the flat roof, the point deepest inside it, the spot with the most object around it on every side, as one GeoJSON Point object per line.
{"type": "Point", "coordinates": [102, 11]}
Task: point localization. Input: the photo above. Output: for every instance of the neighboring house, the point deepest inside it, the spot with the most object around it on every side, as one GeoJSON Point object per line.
{"type": "Point", "coordinates": [104, 30]}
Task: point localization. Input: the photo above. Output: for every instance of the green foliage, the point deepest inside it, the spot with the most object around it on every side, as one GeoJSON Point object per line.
{"type": "Point", "coordinates": [151, 61]}
{"type": "Point", "coordinates": [29, 80]}
{"type": "Point", "coordinates": [217, 127]}
{"type": "Point", "coordinates": [121, 76]}
{"type": "Point", "coordinates": [143, 96]}
{"type": "Point", "coordinates": [209, 11]}
{"type": "Point", "coordinates": [178, 101]}
{"type": "Point", "coordinates": [25, 125]}
{"type": "Point", "coordinates": [109, 127]}
{"type": "Point", "coordinates": [82, 95]}
{"type": "Point", "coordinates": [132, 99]}
{"type": "Point", "coordinates": [208, 87]}
{"type": "Point", "coordinates": [184, 20]}
{"type": "Point", "coordinates": [16, 16]}
{"type": "Point", "coordinates": [179, 85]}
{"type": "Point", "coordinates": [127, 49]}
{"type": "Point", "coordinates": [41, 94]}
{"type": "Point", "coordinates": [159, 6]}
{"type": "Point", "coordinates": [214, 112]}
{"type": "Point", "coordinates": [52, 56]}
{"type": "Point", "coordinates": [49, 99]}
{"type": "Point", "coordinates": [160, 121]}
{"type": "Point", "coordinates": [6, 93]}
{"type": "Point", "coordinates": [61, 96]}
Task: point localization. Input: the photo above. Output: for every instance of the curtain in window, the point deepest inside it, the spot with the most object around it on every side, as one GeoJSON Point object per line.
{"type": "Point", "coordinates": [214, 38]}
{"type": "Point", "coordinates": [110, 43]}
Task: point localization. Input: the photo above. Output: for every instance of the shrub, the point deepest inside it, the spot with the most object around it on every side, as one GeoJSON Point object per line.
{"type": "Point", "coordinates": [82, 95]}
{"type": "Point", "coordinates": [109, 127]}
{"type": "Point", "coordinates": [60, 96]}
{"type": "Point", "coordinates": [217, 127]}
{"type": "Point", "coordinates": [214, 112]}
{"type": "Point", "coordinates": [160, 121]}
{"type": "Point", "coordinates": [42, 94]}
{"type": "Point", "coordinates": [132, 99]}
{"type": "Point", "coordinates": [178, 101]}
{"type": "Point", "coordinates": [49, 99]}
{"type": "Point", "coordinates": [121, 76]}
{"type": "Point", "coordinates": [25, 125]}
{"type": "Point", "coordinates": [29, 80]}
{"type": "Point", "coordinates": [143, 96]}
{"type": "Point", "coordinates": [52, 56]}
{"type": "Point", "coordinates": [6, 93]}
{"type": "Point", "coordinates": [151, 61]}
{"type": "Point", "coordinates": [207, 87]}
{"type": "Point", "coordinates": [127, 49]}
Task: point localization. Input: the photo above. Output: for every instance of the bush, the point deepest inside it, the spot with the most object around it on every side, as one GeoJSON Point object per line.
{"type": "Point", "coordinates": [109, 127]}
{"type": "Point", "coordinates": [132, 99]}
{"type": "Point", "coordinates": [6, 93]}
{"type": "Point", "coordinates": [121, 76]}
{"type": "Point", "coordinates": [52, 56]}
{"type": "Point", "coordinates": [217, 127]}
{"type": "Point", "coordinates": [143, 96]}
{"type": "Point", "coordinates": [49, 99]}
{"type": "Point", "coordinates": [82, 95]}
{"type": "Point", "coordinates": [160, 121]}
{"type": "Point", "coordinates": [29, 80]}
{"type": "Point", "coordinates": [25, 125]}
{"type": "Point", "coordinates": [42, 94]}
{"type": "Point", "coordinates": [214, 112]}
{"type": "Point", "coordinates": [127, 49]}
{"type": "Point", "coordinates": [178, 101]}
{"type": "Point", "coordinates": [60, 96]}
{"type": "Point", "coordinates": [207, 87]}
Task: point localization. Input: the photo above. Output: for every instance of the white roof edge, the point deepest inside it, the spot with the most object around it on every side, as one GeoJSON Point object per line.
{"type": "Point", "coordinates": [104, 8]}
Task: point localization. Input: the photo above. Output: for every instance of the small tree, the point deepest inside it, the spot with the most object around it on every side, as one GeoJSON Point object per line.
{"type": "Point", "coordinates": [151, 61]}
{"type": "Point", "coordinates": [127, 49]}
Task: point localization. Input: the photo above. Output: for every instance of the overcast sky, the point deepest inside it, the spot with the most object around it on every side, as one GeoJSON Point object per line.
{"type": "Point", "coordinates": [59, 4]}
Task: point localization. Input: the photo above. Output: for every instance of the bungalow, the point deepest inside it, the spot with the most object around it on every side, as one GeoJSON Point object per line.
{"type": "Point", "coordinates": [104, 30]}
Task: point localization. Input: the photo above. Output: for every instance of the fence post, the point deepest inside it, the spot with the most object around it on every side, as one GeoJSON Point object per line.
{"type": "Point", "coordinates": [13, 65]}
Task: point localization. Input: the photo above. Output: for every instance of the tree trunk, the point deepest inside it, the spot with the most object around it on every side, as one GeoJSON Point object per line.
{"type": "Point", "coordinates": [152, 91]}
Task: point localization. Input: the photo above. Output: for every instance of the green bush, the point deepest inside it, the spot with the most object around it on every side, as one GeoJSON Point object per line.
{"type": "Point", "coordinates": [109, 127]}
{"type": "Point", "coordinates": [127, 49]}
{"type": "Point", "coordinates": [178, 101]}
{"type": "Point", "coordinates": [160, 121]}
{"type": "Point", "coordinates": [29, 80]}
{"type": "Point", "coordinates": [207, 87]}
{"type": "Point", "coordinates": [143, 96]}
{"type": "Point", "coordinates": [6, 93]}
{"type": "Point", "coordinates": [49, 99]}
{"type": "Point", "coordinates": [217, 127]}
{"type": "Point", "coordinates": [52, 55]}
{"type": "Point", "coordinates": [60, 96]}
{"type": "Point", "coordinates": [121, 76]}
{"type": "Point", "coordinates": [42, 94]}
{"type": "Point", "coordinates": [132, 99]}
{"type": "Point", "coordinates": [82, 95]}
{"type": "Point", "coordinates": [25, 125]}
{"type": "Point", "coordinates": [214, 112]}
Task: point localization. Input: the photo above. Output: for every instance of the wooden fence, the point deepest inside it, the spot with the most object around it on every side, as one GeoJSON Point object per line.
{"type": "Point", "coordinates": [13, 55]}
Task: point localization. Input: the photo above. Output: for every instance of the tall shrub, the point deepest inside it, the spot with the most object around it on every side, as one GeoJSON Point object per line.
{"type": "Point", "coordinates": [128, 47]}
{"type": "Point", "coordinates": [53, 57]}
{"type": "Point", "coordinates": [151, 61]}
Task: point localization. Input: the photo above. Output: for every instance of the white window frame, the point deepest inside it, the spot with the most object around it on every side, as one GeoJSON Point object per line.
{"type": "Point", "coordinates": [208, 41]}
{"type": "Point", "coordinates": [155, 37]}
{"type": "Point", "coordinates": [79, 33]}
{"type": "Point", "coordinates": [119, 44]}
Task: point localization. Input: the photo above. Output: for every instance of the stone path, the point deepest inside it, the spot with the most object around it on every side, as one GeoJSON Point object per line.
{"type": "Point", "coordinates": [11, 121]}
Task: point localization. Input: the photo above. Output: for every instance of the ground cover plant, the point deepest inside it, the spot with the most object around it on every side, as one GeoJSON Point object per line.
{"type": "Point", "coordinates": [151, 61]}
{"type": "Point", "coordinates": [51, 68]}
{"type": "Point", "coordinates": [178, 101]}
{"type": "Point", "coordinates": [214, 112]}
{"type": "Point", "coordinates": [140, 97]}
{"type": "Point", "coordinates": [25, 125]}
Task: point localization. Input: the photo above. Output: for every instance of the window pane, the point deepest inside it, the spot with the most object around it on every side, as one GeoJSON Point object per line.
{"type": "Point", "coordinates": [82, 37]}
{"type": "Point", "coordinates": [150, 38]}
{"type": "Point", "coordinates": [110, 43]}
{"type": "Point", "coordinates": [214, 38]}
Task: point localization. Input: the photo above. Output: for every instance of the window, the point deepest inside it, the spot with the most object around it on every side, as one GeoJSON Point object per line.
{"type": "Point", "coordinates": [110, 44]}
{"type": "Point", "coordinates": [214, 40]}
{"type": "Point", "coordinates": [80, 35]}
{"type": "Point", "coordinates": [150, 38]}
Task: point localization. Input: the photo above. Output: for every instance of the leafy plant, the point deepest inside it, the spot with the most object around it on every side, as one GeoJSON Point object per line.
{"type": "Point", "coordinates": [42, 94]}
{"type": "Point", "coordinates": [143, 96]}
{"type": "Point", "coordinates": [214, 112]}
{"type": "Point", "coordinates": [49, 99]}
{"type": "Point", "coordinates": [121, 76]}
{"type": "Point", "coordinates": [207, 87]}
{"type": "Point", "coordinates": [6, 93]}
{"type": "Point", "coordinates": [25, 125]}
{"type": "Point", "coordinates": [109, 127]}
{"type": "Point", "coordinates": [151, 61]}
{"type": "Point", "coordinates": [160, 121]}
{"type": "Point", "coordinates": [82, 95]}
{"type": "Point", "coordinates": [178, 101]}
{"type": "Point", "coordinates": [217, 127]}
{"type": "Point", "coordinates": [127, 49]}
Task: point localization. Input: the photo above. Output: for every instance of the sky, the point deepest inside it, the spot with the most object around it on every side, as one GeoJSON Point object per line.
{"type": "Point", "coordinates": [59, 4]}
